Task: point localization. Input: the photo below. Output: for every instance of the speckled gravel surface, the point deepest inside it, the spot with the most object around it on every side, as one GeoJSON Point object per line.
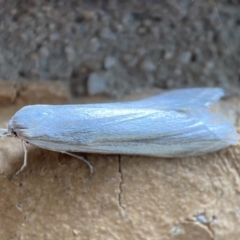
{"type": "Point", "coordinates": [113, 47]}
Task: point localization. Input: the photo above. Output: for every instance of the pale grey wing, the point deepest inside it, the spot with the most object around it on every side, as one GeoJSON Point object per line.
{"type": "Point", "coordinates": [141, 131]}
{"type": "Point", "coordinates": [181, 98]}
{"type": "Point", "coordinates": [172, 100]}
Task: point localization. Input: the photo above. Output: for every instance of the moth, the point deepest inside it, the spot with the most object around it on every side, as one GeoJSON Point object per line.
{"type": "Point", "coordinates": [178, 123]}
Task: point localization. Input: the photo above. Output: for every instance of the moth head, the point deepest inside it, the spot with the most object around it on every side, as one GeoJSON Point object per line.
{"type": "Point", "coordinates": [12, 131]}
{"type": "Point", "coordinates": [24, 121]}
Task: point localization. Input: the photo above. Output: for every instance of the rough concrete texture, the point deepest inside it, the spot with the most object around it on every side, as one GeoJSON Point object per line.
{"type": "Point", "coordinates": [127, 197]}
{"type": "Point", "coordinates": [117, 46]}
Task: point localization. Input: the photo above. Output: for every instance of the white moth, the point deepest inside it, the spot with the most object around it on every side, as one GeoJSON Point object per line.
{"type": "Point", "coordinates": [173, 124]}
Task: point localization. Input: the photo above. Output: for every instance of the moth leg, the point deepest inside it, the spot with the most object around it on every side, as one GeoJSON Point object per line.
{"type": "Point", "coordinates": [82, 159]}
{"type": "Point", "coordinates": [25, 158]}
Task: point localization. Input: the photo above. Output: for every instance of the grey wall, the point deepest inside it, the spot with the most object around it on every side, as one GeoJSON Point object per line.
{"type": "Point", "coordinates": [120, 46]}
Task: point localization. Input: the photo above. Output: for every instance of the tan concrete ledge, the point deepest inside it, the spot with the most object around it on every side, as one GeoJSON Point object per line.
{"type": "Point", "coordinates": [127, 197]}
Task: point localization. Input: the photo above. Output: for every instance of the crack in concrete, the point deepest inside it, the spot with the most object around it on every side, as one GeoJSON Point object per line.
{"type": "Point", "coordinates": [204, 221]}
{"type": "Point", "coordinates": [120, 187]}
{"type": "Point", "coordinates": [123, 209]}
{"type": "Point", "coordinates": [211, 231]}
{"type": "Point", "coordinates": [208, 226]}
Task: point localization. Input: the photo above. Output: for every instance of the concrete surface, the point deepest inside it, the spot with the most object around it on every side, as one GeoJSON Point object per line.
{"type": "Point", "coordinates": [128, 197]}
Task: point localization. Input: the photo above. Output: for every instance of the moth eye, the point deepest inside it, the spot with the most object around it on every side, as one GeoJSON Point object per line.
{"type": "Point", "coordinates": [14, 133]}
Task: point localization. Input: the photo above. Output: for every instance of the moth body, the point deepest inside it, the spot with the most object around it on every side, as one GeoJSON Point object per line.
{"type": "Point", "coordinates": [174, 124]}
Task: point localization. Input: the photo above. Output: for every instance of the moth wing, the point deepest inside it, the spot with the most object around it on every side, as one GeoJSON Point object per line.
{"type": "Point", "coordinates": [182, 98]}
{"type": "Point", "coordinates": [195, 131]}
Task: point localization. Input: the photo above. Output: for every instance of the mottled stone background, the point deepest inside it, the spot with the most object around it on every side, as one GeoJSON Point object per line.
{"type": "Point", "coordinates": [114, 47]}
